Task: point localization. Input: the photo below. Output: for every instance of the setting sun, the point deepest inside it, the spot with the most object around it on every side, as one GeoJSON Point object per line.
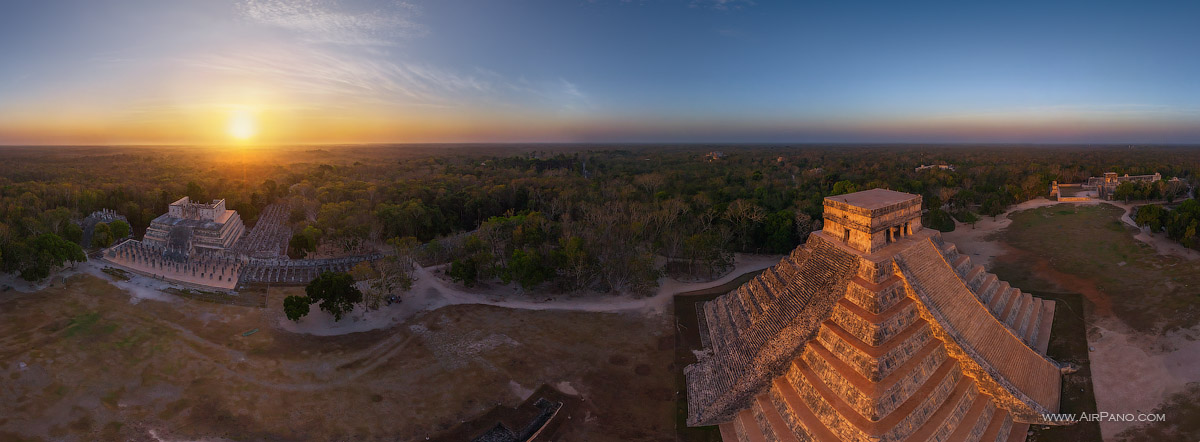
{"type": "Point", "coordinates": [242, 125]}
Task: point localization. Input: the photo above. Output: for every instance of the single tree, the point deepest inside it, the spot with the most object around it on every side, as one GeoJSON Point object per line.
{"type": "Point", "coordinates": [72, 232]}
{"type": "Point", "coordinates": [296, 307]}
{"type": "Point", "coordinates": [119, 229]}
{"type": "Point", "coordinates": [102, 235]}
{"type": "Point", "coordinates": [464, 271]}
{"type": "Point", "coordinates": [46, 252]}
{"type": "Point", "coordinates": [336, 293]}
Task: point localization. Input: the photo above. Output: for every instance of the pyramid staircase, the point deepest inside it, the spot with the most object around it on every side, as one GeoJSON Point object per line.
{"type": "Point", "coordinates": [1028, 317]}
{"type": "Point", "coordinates": [875, 371]}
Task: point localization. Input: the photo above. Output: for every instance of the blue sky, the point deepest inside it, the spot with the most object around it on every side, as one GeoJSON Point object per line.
{"type": "Point", "coordinates": [563, 71]}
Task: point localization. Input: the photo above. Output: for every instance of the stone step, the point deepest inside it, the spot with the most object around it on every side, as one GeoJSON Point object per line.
{"type": "Point", "coordinates": [777, 426]}
{"type": "Point", "coordinates": [1017, 316]}
{"type": "Point", "coordinates": [1013, 316]}
{"type": "Point", "coordinates": [728, 432]}
{"type": "Point", "coordinates": [994, 301]}
{"type": "Point", "coordinates": [950, 251]}
{"type": "Point", "coordinates": [972, 425]}
{"type": "Point", "coordinates": [748, 295]}
{"type": "Point", "coordinates": [748, 428]}
{"type": "Point", "coordinates": [789, 402]}
{"type": "Point", "coordinates": [943, 416]}
{"type": "Point", "coordinates": [996, 425]}
{"type": "Point", "coordinates": [1018, 432]}
{"type": "Point", "coordinates": [1010, 308]}
{"type": "Point", "coordinates": [1004, 301]}
{"type": "Point", "coordinates": [1031, 322]}
{"type": "Point", "coordinates": [972, 278]}
{"type": "Point", "coordinates": [984, 286]}
{"type": "Point", "coordinates": [738, 318]}
{"type": "Point", "coordinates": [717, 326]}
{"type": "Point", "coordinates": [961, 264]}
{"type": "Point", "coordinates": [1047, 321]}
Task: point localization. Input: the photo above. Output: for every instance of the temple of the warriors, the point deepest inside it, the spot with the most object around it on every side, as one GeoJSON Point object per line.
{"type": "Point", "coordinates": [188, 227]}
{"type": "Point", "coordinates": [874, 330]}
{"type": "Point", "coordinates": [203, 246]}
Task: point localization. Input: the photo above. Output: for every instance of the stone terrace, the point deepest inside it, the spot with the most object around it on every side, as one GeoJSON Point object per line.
{"type": "Point", "coordinates": [891, 335]}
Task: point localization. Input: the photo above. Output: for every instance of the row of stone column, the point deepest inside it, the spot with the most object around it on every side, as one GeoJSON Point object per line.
{"type": "Point", "coordinates": [270, 234]}
{"type": "Point", "coordinates": [204, 264]}
{"type": "Point", "coordinates": [298, 271]}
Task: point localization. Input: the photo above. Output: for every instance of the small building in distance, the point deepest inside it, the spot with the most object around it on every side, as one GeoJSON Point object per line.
{"type": "Point", "coordinates": [935, 166]}
{"type": "Point", "coordinates": [100, 216]}
{"type": "Point", "coordinates": [714, 156]}
{"type": "Point", "coordinates": [188, 227]}
{"type": "Point", "coordinates": [1106, 185]}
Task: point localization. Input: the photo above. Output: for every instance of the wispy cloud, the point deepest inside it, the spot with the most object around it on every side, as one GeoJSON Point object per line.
{"type": "Point", "coordinates": [722, 5]}
{"type": "Point", "coordinates": [317, 74]}
{"type": "Point", "coordinates": [344, 50]}
{"type": "Point", "coordinates": [323, 21]}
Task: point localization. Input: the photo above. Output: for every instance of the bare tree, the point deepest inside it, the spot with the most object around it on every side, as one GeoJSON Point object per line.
{"type": "Point", "coordinates": [744, 215]}
{"type": "Point", "coordinates": [651, 182]}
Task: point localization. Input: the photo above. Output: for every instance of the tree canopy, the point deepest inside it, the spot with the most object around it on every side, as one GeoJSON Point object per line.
{"type": "Point", "coordinates": [336, 293]}
{"type": "Point", "coordinates": [296, 307]}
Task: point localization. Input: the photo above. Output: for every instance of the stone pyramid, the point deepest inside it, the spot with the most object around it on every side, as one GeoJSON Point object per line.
{"type": "Point", "coordinates": [874, 330]}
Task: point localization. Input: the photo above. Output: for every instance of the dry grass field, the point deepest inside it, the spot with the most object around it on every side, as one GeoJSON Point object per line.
{"type": "Point", "coordinates": [82, 361]}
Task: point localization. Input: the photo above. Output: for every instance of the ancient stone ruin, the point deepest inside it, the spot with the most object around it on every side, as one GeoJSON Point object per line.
{"type": "Point", "coordinates": [189, 226]}
{"type": "Point", "coordinates": [874, 330]}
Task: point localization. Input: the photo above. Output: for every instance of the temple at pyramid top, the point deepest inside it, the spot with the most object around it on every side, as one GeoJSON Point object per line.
{"type": "Point", "coordinates": [872, 219]}
{"type": "Point", "coordinates": [874, 330]}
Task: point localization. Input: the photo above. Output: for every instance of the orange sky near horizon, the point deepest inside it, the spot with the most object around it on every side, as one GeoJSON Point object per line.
{"type": "Point", "coordinates": [454, 71]}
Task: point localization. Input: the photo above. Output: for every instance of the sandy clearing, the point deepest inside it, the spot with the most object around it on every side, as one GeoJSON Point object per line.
{"type": "Point", "coordinates": [1134, 373]}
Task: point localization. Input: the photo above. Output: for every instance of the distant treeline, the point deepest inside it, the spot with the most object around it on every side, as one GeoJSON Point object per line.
{"type": "Point", "coordinates": [579, 217]}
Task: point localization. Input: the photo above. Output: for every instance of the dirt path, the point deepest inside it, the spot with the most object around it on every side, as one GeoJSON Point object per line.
{"type": "Point", "coordinates": [431, 292]}
{"type": "Point", "coordinates": [1161, 243]}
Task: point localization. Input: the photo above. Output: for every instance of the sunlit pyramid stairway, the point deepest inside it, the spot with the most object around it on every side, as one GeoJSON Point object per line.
{"type": "Point", "coordinates": [874, 338]}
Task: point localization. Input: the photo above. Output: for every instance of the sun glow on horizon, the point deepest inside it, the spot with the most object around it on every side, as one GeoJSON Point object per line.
{"type": "Point", "coordinates": [242, 125]}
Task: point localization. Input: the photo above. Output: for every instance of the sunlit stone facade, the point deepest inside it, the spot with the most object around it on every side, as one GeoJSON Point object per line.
{"type": "Point", "coordinates": [874, 330]}
{"type": "Point", "coordinates": [188, 227]}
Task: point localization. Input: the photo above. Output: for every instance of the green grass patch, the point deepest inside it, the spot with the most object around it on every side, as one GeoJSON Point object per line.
{"type": "Point", "coordinates": [85, 324]}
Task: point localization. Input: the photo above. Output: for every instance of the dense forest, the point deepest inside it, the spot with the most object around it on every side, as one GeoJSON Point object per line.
{"type": "Point", "coordinates": [576, 217]}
